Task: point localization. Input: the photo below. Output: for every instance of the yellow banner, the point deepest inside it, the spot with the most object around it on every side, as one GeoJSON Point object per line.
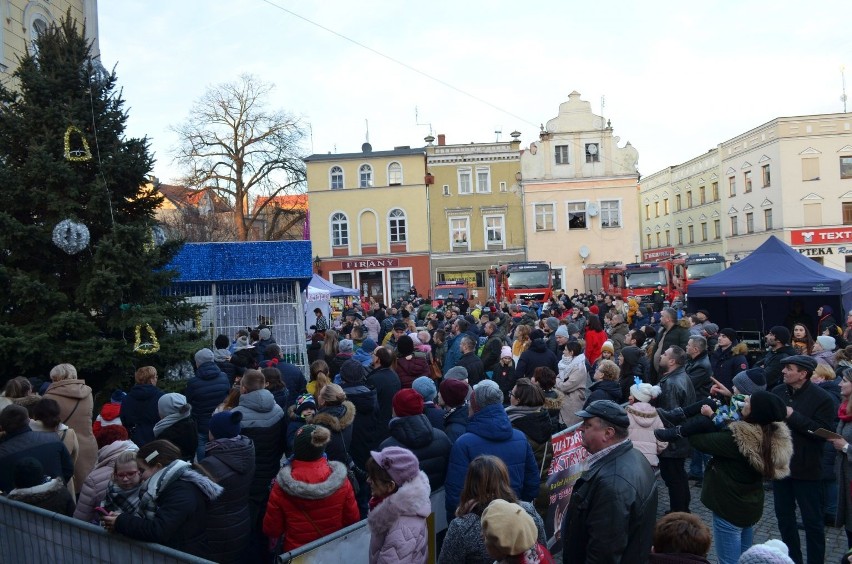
{"type": "Point", "coordinates": [469, 277]}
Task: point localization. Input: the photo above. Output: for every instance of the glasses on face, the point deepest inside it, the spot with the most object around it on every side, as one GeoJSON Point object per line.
{"type": "Point", "coordinates": [127, 475]}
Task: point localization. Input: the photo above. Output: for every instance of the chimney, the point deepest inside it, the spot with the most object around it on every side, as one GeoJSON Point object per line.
{"type": "Point", "coordinates": [442, 139]}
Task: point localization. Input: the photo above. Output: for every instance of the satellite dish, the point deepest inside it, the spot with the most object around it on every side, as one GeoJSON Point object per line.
{"type": "Point", "coordinates": [584, 251]}
{"type": "Point", "coordinates": [593, 210]}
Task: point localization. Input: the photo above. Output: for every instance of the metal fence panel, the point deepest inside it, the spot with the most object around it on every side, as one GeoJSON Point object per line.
{"type": "Point", "coordinates": [33, 535]}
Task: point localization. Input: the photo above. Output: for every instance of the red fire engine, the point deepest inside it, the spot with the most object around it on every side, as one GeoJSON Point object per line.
{"type": "Point", "coordinates": [607, 277]}
{"type": "Point", "coordinates": [521, 280]}
{"type": "Point", "coordinates": [674, 273]}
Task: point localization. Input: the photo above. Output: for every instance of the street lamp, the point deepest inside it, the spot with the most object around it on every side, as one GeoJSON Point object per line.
{"type": "Point", "coordinates": [318, 264]}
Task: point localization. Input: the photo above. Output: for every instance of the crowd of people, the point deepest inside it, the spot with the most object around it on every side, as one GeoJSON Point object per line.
{"type": "Point", "coordinates": [254, 459]}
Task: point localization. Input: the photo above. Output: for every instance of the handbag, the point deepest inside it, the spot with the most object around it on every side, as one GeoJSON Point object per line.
{"type": "Point", "coordinates": [435, 370]}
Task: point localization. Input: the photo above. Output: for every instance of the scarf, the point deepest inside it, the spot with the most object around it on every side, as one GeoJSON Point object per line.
{"type": "Point", "coordinates": [117, 499]}
{"type": "Point", "coordinates": [841, 413]}
{"type": "Point", "coordinates": [170, 420]}
{"type": "Point", "coordinates": [375, 502]}
{"type": "Point", "coordinates": [177, 470]}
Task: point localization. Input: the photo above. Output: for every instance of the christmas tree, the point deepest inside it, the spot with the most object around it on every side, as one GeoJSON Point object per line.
{"type": "Point", "coordinates": [81, 257]}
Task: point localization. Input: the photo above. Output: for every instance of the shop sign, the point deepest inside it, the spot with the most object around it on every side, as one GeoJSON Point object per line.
{"type": "Point", "coordinates": [467, 276]}
{"type": "Point", "coordinates": [823, 251]}
{"type": "Point", "coordinates": [656, 254]}
{"type": "Point", "coordinates": [823, 236]}
{"type": "Point", "coordinates": [369, 263]}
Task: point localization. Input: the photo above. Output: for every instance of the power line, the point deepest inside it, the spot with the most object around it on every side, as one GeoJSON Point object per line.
{"type": "Point", "coordinates": [400, 63]}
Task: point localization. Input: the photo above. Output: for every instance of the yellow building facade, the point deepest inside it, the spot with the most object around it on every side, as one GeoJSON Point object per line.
{"type": "Point", "coordinates": [369, 223]}
{"type": "Point", "coordinates": [24, 19]}
{"type": "Point", "coordinates": [475, 211]}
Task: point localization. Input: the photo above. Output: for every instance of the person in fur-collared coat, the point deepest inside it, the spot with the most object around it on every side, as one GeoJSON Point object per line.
{"type": "Point", "coordinates": [744, 454]}
{"type": "Point", "coordinates": [32, 489]}
{"type": "Point", "coordinates": [335, 414]}
{"type": "Point", "coordinates": [398, 508]}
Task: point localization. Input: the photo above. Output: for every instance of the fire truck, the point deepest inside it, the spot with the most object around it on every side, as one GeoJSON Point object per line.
{"type": "Point", "coordinates": [674, 273]}
{"type": "Point", "coordinates": [521, 280]}
{"type": "Point", "coordinates": [443, 289]}
{"type": "Point", "coordinates": [642, 278]}
{"type": "Point", "coordinates": [686, 269]}
{"type": "Point", "coordinates": [607, 277]}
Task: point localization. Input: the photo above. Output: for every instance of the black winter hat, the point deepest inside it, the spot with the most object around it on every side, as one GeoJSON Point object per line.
{"type": "Point", "coordinates": [766, 408]}
{"type": "Point", "coordinates": [782, 334]}
{"type": "Point", "coordinates": [28, 473]}
{"type": "Point", "coordinates": [225, 424]}
{"type": "Point", "coordinates": [729, 333]}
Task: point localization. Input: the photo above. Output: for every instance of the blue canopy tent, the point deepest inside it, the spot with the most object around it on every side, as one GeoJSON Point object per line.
{"type": "Point", "coordinates": [760, 291]}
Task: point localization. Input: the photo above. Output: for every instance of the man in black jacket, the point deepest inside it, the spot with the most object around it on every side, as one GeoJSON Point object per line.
{"type": "Point", "coordinates": [469, 360]}
{"type": "Point", "coordinates": [808, 408]}
{"type": "Point", "coordinates": [700, 372]}
{"type": "Point", "coordinates": [670, 334]}
{"type": "Point", "coordinates": [491, 349]}
{"type": "Point", "coordinates": [613, 506]}
{"type": "Point", "coordinates": [778, 343]}
{"type": "Point", "coordinates": [22, 442]}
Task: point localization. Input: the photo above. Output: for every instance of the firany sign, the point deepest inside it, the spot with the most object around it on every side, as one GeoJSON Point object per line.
{"type": "Point", "coordinates": [371, 263]}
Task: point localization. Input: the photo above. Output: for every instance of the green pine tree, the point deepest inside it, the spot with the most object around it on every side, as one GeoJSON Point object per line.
{"type": "Point", "coordinates": [81, 308]}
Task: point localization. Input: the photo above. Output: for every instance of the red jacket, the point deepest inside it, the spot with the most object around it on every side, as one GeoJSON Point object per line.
{"type": "Point", "coordinates": [309, 500]}
{"type": "Point", "coordinates": [594, 342]}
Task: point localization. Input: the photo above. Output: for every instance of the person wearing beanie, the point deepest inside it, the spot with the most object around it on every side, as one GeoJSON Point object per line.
{"type": "Point", "coordinates": [456, 373]}
{"type": "Point", "coordinates": [264, 340]}
{"type": "Point", "coordinates": [809, 407]}
{"type": "Point", "coordinates": [345, 351]}
{"type": "Point", "coordinates": [823, 350]}
{"type": "Point", "coordinates": [504, 373]}
{"type": "Point", "coordinates": [607, 351]}
{"type": "Point", "coordinates": [409, 366]}
{"type": "Point", "coordinates": [176, 425]}
{"type": "Point", "coordinates": [230, 462]}
{"type": "Point", "coordinates": [779, 347]}
{"type": "Point", "coordinates": [34, 488]}
{"type": "Point", "coordinates": [772, 551]}
{"type": "Point", "coordinates": [733, 491]}
{"type": "Point", "coordinates": [729, 358]}
{"type": "Point", "coordinates": [311, 496]}
{"type": "Point", "coordinates": [399, 507]}
{"type": "Point", "coordinates": [508, 530]}
{"type": "Point", "coordinates": [110, 412]}
{"type": "Point", "coordinates": [425, 386]}
{"type": "Point", "coordinates": [204, 393]}
{"type": "Point", "coordinates": [364, 354]}
{"type": "Point", "coordinates": [489, 431]}
{"type": "Point", "coordinates": [411, 429]}
{"type": "Point", "coordinates": [452, 398]}
{"type": "Point", "coordinates": [297, 414]}
{"type": "Point", "coordinates": [644, 420]}
{"type": "Point", "coordinates": [537, 354]}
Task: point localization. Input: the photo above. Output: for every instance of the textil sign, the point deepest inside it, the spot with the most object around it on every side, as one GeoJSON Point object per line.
{"type": "Point", "coordinates": [822, 236]}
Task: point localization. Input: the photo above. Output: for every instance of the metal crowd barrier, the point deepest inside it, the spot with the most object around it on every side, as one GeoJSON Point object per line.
{"type": "Point", "coordinates": [35, 536]}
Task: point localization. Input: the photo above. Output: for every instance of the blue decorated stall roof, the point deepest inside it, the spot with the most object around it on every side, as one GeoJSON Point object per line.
{"type": "Point", "coordinates": [255, 260]}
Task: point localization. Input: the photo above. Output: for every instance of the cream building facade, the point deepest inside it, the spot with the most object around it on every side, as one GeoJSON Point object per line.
{"type": "Point", "coordinates": [24, 19]}
{"type": "Point", "coordinates": [580, 194]}
{"type": "Point", "coordinates": [475, 210]}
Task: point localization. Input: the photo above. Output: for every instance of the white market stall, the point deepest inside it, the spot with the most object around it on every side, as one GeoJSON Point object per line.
{"type": "Point", "coordinates": [319, 294]}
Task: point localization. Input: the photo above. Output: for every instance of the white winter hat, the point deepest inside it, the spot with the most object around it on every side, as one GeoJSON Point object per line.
{"type": "Point", "coordinates": [644, 392]}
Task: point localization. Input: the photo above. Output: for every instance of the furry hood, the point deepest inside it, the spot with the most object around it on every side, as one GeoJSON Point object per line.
{"type": "Point", "coordinates": [335, 418]}
{"type": "Point", "coordinates": [749, 440]}
{"type": "Point", "coordinates": [411, 499]}
{"type": "Point", "coordinates": [38, 494]}
{"type": "Point", "coordinates": [554, 402]}
{"type": "Point", "coordinates": [643, 414]}
{"type": "Point", "coordinates": [740, 348]}
{"type": "Point", "coordinates": [320, 490]}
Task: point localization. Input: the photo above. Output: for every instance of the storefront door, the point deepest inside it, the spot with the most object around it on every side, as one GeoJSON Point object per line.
{"type": "Point", "coordinates": [371, 284]}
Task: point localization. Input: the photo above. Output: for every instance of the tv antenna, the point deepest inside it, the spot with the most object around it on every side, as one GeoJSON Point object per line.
{"type": "Point", "coordinates": [843, 97]}
{"type": "Point", "coordinates": [497, 133]}
{"type": "Point", "coordinates": [417, 120]}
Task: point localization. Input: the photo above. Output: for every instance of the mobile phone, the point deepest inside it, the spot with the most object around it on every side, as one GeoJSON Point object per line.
{"type": "Point", "coordinates": [101, 510]}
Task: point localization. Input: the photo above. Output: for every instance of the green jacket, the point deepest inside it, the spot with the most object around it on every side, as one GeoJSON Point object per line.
{"type": "Point", "coordinates": [733, 480]}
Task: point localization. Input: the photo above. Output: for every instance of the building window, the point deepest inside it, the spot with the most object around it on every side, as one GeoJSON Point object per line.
{"type": "Point", "coordinates": [715, 187]}
{"type": "Point", "coordinates": [732, 186]}
{"type": "Point", "coordinates": [666, 206]}
{"type": "Point", "coordinates": [610, 213]}
{"type": "Point", "coordinates": [394, 174]}
{"type": "Point", "coordinates": [396, 224]}
{"type": "Point", "coordinates": [765, 175]}
{"type": "Point", "coordinates": [336, 180]}
{"type": "Point", "coordinates": [690, 230]}
{"type": "Point", "coordinates": [702, 196]}
{"type": "Point", "coordinates": [562, 154]}
{"type": "Point", "coordinates": [810, 168]}
{"type": "Point", "coordinates": [659, 240]}
{"type": "Point", "coordinates": [365, 176]}
{"type": "Point", "coordinates": [668, 237]}
{"type": "Point", "coordinates": [342, 279]}
{"type": "Point", "coordinates": [704, 231]}
{"type": "Point", "coordinates": [689, 200]}
{"type": "Point", "coordinates": [767, 219]}
{"type": "Point", "coordinates": [677, 203]}
{"type": "Point", "coordinates": [847, 213]}
{"type": "Point", "coordinates": [494, 229]}
{"type": "Point", "coordinates": [592, 153]}
{"type": "Point", "coordinates": [647, 211]}
{"type": "Point", "coordinates": [446, 189]}
{"type": "Point", "coordinates": [503, 187]}
{"type": "Point", "coordinates": [483, 180]}
{"type": "Point", "coordinates": [680, 235]}
{"type": "Point", "coordinates": [717, 229]}
{"type": "Point", "coordinates": [459, 231]}
{"type": "Point", "coordinates": [845, 167]}
{"type": "Point", "coordinates": [734, 229]}
{"type": "Point", "coordinates": [38, 27]}
{"type": "Point", "coordinates": [812, 214]}
{"type": "Point", "coordinates": [577, 215]}
{"type": "Point", "coordinates": [747, 181]}
{"type": "Point", "coordinates": [648, 240]}
{"type": "Point", "coordinates": [464, 181]}
{"type": "Point", "coordinates": [339, 230]}
{"type": "Point", "coordinates": [400, 283]}
{"type": "Point", "coordinates": [750, 222]}
{"type": "Point", "coordinates": [544, 217]}
{"type": "Point", "coordinates": [656, 209]}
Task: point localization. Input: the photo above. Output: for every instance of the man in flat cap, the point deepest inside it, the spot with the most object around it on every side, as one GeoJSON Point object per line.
{"type": "Point", "coordinates": [809, 408]}
{"type": "Point", "coordinates": [613, 506]}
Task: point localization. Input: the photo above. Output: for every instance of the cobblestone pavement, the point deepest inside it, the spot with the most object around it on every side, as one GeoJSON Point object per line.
{"type": "Point", "coordinates": [766, 528]}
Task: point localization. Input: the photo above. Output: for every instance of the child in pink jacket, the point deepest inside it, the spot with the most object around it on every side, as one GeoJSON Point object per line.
{"type": "Point", "coordinates": [643, 420]}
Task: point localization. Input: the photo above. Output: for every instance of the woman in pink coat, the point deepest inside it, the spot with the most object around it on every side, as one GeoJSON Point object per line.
{"type": "Point", "coordinates": [643, 420]}
{"type": "Point", "coordinates": [75, 410]}
{"type": "Point", "coordinates": [398, 508]}
{"type": "Point", "coordinates": [112, 441]}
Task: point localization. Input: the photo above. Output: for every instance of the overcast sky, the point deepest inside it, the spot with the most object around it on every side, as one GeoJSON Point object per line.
{"type": "Point", "coordinates": [677, 77]}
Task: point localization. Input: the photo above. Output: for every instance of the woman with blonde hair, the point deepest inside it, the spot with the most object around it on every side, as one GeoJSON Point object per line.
{"type": "Point", "coordinates": [336, 414]}
{"type": "Point", "coordinates": [75, 410]}
{"type": "Point", "coordinates": [319, 377]}
{"type": "Point", "coordinates": [487, 479]}
{"type": "Point", "coordinates": [139, 412]}
{"type": "Point", "coordinates": [606, 385]}
{"type": "Point", "coordinates": [522, 341]}
{"type": "Point", "coordinates": [330, 346]}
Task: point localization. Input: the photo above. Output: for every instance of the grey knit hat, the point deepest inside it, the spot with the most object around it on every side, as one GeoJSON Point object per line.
{"type": "Point", "coordinates": [456, 373]}
{"type": "Point", "coordinates": [484, 394]}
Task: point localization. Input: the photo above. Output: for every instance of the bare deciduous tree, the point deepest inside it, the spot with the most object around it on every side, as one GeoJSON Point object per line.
{"type": "Point", "coordinates": [232, 143]}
